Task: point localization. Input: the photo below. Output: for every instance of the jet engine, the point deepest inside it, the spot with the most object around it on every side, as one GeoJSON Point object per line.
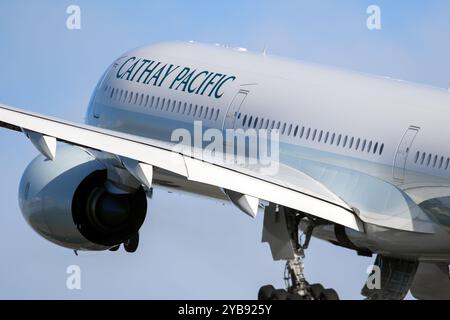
{"type": "Point", "coordinates": [67, 202]}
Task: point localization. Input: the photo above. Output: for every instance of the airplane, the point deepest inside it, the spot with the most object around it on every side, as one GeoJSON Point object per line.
{"type": "Point", "coordinates": [359, 161]}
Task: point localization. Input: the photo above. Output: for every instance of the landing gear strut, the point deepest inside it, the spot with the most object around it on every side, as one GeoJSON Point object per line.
{"type": "Point", "coordinates": [281, 231]}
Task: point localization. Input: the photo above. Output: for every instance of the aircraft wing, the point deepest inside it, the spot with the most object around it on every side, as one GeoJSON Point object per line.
{"type": "Point", "coordinates": [305, 194]}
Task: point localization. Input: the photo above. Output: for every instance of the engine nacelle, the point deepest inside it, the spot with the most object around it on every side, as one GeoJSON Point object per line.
{"type": "Point", "coordinates": [66, 202]}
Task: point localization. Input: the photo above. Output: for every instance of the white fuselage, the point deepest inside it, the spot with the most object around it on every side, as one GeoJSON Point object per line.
{"type": "Point", "coordinates": [378, 144]}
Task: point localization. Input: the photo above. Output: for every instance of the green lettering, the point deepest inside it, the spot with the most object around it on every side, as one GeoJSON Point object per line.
{"type": "Point", "coordinates": [190, 90]}
{"type": "Point", "coordinates": [212, 90]}
{"type": "Point", "coordinates": [186, 80]}
{"type": "Point", "coordinates": [130, 70]}
{"type": "Point", "coordinates": [216, 94]}
{"type": "Point", "coordinates": [204, 81]}
{"type": "Point", "coordinates": [148, 71]}
{"type": "Point", "coordinates": [144, 62]}
{"type": "Point", "coordinates": [157, 75]}
{"type": "Point", "coordinates": [180, 76]}
{"type": "Point", "coordinates": [118, 75]}
{"type": "Point", "coordinates": [168, 72]}
{"type": "Point", "coordinates": [211, 82]}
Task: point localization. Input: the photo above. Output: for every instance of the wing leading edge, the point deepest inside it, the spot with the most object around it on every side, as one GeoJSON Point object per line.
{"type": "Point", "coordinates": [162, 155]}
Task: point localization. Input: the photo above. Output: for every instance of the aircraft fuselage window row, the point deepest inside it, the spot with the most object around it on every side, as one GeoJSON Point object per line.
{"type": "Point", "coordinates": [314, 135]}
{"type": "Point", "coordinates": [248, 121]}
{"type": "Point", "coordinates": [433, 161]}
{"type": "Point", "coordinates": [154, 102]}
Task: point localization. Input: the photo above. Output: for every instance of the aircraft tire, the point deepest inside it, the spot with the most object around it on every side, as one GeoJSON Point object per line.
{"type": "Point", "coordinates": [329, 294]}
{"type": "Point", "coordinates": [279, 294]}
{"type": "Point", "coordinates": [132, 244]}
{"type": "Point", "coordinates": [265, 293]}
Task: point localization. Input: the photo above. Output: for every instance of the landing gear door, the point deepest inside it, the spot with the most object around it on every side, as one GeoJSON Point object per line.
{"type": "Point", "coordinates": [403, 151]}
{"type": "Point", "coordinates": [233, 110]}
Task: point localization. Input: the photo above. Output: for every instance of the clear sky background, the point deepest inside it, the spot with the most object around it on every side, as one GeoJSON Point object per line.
{"type": "Point", "coordinates": [191, 248]}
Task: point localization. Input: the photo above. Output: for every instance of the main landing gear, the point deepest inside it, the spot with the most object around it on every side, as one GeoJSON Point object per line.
{"type": "Point", "coordinates": [281, 231]}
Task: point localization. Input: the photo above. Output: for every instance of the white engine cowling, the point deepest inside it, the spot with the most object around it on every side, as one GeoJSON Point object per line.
{"type": "Point", "coordinates": [66, 202]}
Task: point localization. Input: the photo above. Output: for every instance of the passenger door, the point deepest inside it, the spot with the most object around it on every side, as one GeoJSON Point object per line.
{"type": "Point", "coordinates": [403, 151]}
{"type": "Point", "coordinates": [233, 110]}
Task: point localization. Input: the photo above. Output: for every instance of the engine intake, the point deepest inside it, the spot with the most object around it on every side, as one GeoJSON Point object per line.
{"type": "Point", "coordinates": [66, 202]}
{"type": "Point", "coordinates": [106, 218]}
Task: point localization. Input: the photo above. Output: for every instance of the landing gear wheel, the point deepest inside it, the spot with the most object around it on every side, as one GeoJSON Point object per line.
{"type": "Point", "coordinates": [329, 294]}
{"type": "Point", "coordinates": [132, 244]}
{"type": "Point", "coordinates": [265, 293]}
{"type": "Point", "coordinates": [316, 290]}
{"type": "Point", "coordinates": [280, 294]}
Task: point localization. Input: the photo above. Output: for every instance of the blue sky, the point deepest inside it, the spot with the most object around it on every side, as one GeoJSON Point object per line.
{"type": "Point", "coordinates": [190, 247]}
